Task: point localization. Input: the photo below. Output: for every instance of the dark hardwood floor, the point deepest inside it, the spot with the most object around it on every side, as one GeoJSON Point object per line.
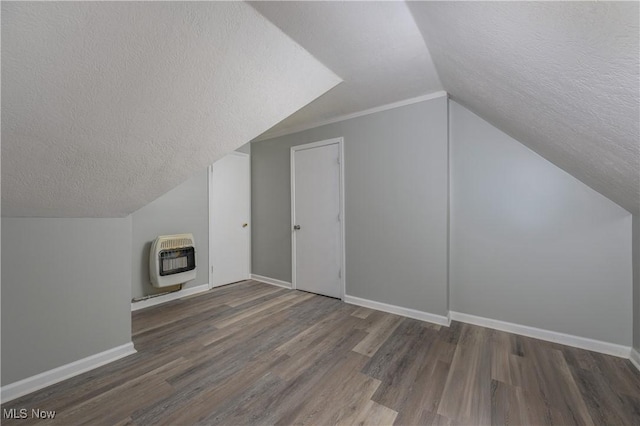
{"type": "Point", "coordinates": [251, 353]}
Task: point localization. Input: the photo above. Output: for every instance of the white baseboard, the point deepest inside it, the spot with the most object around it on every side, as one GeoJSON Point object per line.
{"type": "Point", "coordinates": [398, 310]}
{"type": "Point", "coordinates": [168, 297]}
{"type": "Point", "coordinates": [634, 357]}
{"type": "Point", "coordinates": [48, 378]}
{"type": "Point", "coordinates": [549, 336]}
{"type": "Point", "coordinates": [271, 281]}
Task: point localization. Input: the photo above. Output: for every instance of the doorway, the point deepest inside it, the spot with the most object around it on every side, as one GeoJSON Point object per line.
{"type": "Point", "coordinates": [317, 214]}
{"type": "Point", "coordinates": [229, 219]}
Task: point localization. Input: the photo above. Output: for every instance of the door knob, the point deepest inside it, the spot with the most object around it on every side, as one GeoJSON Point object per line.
{"type": "Point", "coordinates": [296, 227]}
{"type": "Point", "coordinates": [244, 225]}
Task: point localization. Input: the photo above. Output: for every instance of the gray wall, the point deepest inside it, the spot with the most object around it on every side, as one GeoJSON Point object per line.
{"type": "Point", "coordinates": [532, 245]}
{"type": "Point", "coordinates": [636, 281]}
{"type": "Point", "coordinates": [65, 291]}
{"type": "Point", "coordinates": [184, 209]}
{"type": "Point", "coordinates": [395, 204]}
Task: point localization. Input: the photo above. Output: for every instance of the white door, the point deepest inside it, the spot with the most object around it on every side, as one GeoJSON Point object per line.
{"type": "Point", "coordinates": [316, 189]}
{"type": "Point", "coordinates": [229, 231]}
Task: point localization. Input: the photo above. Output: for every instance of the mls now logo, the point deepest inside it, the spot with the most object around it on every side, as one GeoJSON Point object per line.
{"type": "Point", "coordinates": [23, 413]}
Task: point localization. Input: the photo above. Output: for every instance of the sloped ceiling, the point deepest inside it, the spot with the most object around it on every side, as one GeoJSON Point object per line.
{"type": "Point", "coordinates": [108, 105]}
{"type": "Point", "coordinates": [375, 47]}
{"type": "Point", "coordinates": [560, 77]}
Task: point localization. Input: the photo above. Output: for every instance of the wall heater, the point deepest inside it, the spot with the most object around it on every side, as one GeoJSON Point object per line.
{"type": "Point", "coordinates": [172, 260]}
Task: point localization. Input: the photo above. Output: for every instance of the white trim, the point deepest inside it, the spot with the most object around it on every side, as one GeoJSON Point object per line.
{"type": "Point", "coordinates": [250, 221]}
{"type": "Point", "coordinates": [449, 201]}
{"type": "Point", "coordinates": [343, 219]}
{"type": "Point", "coordinates": [398, 310]}
{"type": "Point", "coordinates": [550, 336]}
{"type": "Point", "coordinates": [340, 142]}
{"type": "Point", "coordinates": [209, 213]}
{"type": "Point", "coordinates": [293, 217]}
{"type": "Point", "coordinates": [374, 110]}
{"type": "Point", "coordinates": [634, 357]}
{"type": "Point", "coordinates": [248, 157]}
{"type": "Point", "coordinates": [271, 281]}
{"type": "Point", "coordinates": [64, 372]}
{"type": "Point", "coordinates": [169, 297]}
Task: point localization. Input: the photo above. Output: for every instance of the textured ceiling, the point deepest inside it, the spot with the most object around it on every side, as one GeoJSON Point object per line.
{"type": "Point", "coordinates": [560, 77]}
{"type": "Point", "coordinates": [106, 106]}
{"type": "Point", "coordinates": [375, 47]}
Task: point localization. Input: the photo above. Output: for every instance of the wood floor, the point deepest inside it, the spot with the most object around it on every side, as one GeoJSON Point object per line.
{"type": "Point", "coordinates": [251, 353]}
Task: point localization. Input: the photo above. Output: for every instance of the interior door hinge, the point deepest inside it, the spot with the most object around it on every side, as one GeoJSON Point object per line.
{"type": "Point", "coordinates": [338, 159]}
{"type": "Point", "coordinates": [339, 273]}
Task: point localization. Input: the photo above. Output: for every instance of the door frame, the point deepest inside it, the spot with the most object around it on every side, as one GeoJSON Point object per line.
{"type": "Point", "coordinates": [210, 216]}
{"type": "Point", "coordinates": [340, 142]}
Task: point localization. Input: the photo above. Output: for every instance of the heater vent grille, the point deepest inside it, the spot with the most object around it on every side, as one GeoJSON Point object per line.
{"type": "Point", "coordinates": [176, 243]}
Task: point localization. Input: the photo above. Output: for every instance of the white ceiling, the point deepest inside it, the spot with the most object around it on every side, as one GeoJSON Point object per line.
{"type": "Point", "coordinates": [375, 47]}
{"type": "Point", "coordinates": [106, 106]}
{"type": "Point", "coordinates": [560, 77]}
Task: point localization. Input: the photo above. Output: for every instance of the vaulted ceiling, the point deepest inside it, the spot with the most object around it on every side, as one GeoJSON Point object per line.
{"type": "Point", "coordinates": [375, 47]}
{"type": "Point", "coordinates": [106, 106]}
{"type": "Point", "coordinates": [560, 77]}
